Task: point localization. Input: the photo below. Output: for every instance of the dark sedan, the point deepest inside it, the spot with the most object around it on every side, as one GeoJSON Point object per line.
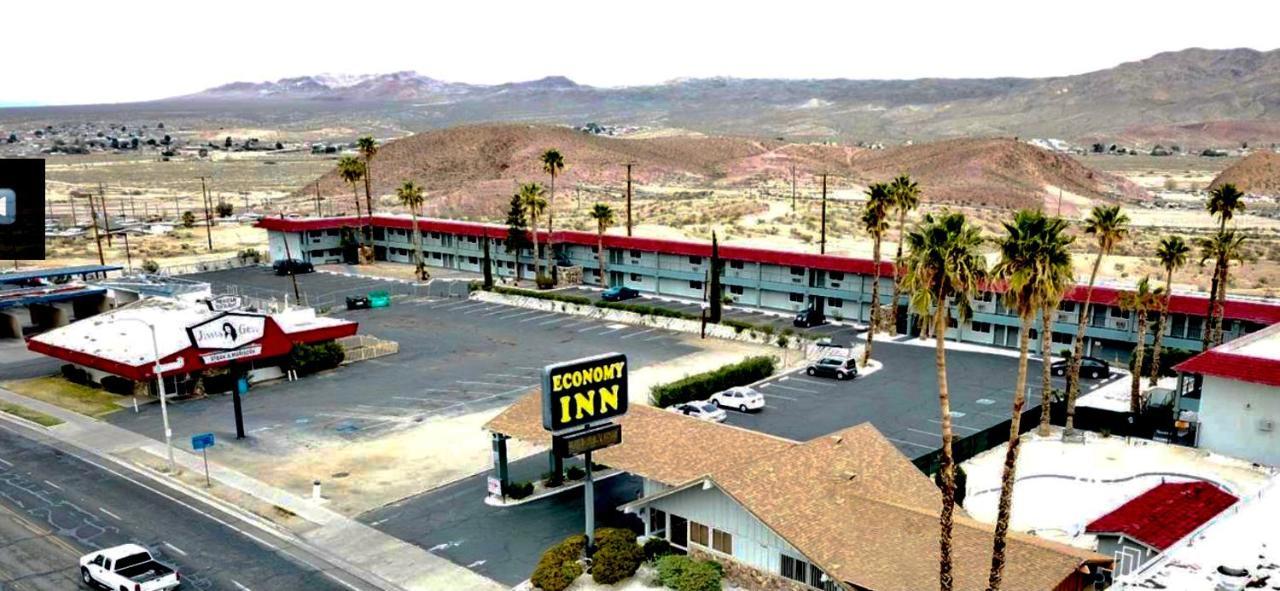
{"type": "Point", "coordinates": [293, 266]}
{"type": "Point", "coordinates": [1090, 367]}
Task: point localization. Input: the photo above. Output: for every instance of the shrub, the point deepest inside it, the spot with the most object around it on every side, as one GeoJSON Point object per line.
{"type": "Point", "coordinates": [519, 490]}
{"type": "Point", "coordinates": [307, 358]}
{"type": "Point", "coordinates": [686, 574]}
{"type": "Point", "coordinates": [117, 385]}
{"type": "Point", "coordinates": [617, 556]}
{"type": "Point", "coordinates": [552, 479]}
{"type": "Point", "coordinates": [702, 385]}
{"type": "Point", "coordinates": [224, 209]}
{"type": "Point", "coordinates": [251, 254]}
{"type": "Point", "coordinates": [188, 219]}
{"type": "Point", "coordinates": [556, 297]}
{"type": "Point", "coordinates": [738, 325]}
{"type": "Point", "coordinates": [558, 567]}
{"type": "Point", "coordinates": [655, 548]}
{"type": "Point", "coordinates": [575, 473]}
{"type": "Point", "coordinates": [75, 375]}
{"type": "Point", "coordinates": [545, 282]}
{"type": "Point", "coordinates": [150, 266]}
{"type": "Point", "coordinates": [648, 310]}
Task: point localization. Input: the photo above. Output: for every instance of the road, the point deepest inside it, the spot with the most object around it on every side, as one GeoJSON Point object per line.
{"type": "Point", "coordinates": [55, 506]}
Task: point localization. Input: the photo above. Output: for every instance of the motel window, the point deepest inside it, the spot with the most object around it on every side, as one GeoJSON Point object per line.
{"type": "Point", "coordinates": [836, 276]}
{"type": "Point", "coordinates": [722, 541]}
{"type": "Point", "coordinates": [735, 289]}
{"type": "Point", "coordinates": [636, 277]}
{"type": "Point", "coordinates": [332, 233]}
{"type": "Point", "coordinates": [511, 265]}
{"type": "Point", "coordinates": [1194, 323]}
{"type": "Point", "coordinates": [657, 522]}
{"type": "Point", "coordinates": [1119, 313]}
{"type": "Point", "coordinates": [1062, 338]}
{"type": "Point", "coordinates": [473, 260]}
{"type": "Point", "coordinates": [951, 322]}
{"type": "Point", "coordinates": [473, 240]}
{"type": "Point", "coordinates": [1177, 324]}
{"type": "Point", "coordinates": [1067, 306]}
{"type": "Point", "coordinates": [695, 260]}
{"type": "Point", "coordinates": [695, 285]}
{"type": "Point", "coordinates": [981, 326]}
{"type": "Point", "coordinates": [635, 254]}
{"type": "Point", "coordinates": [797, 270]}
{"type": "Point", "coordinates": [797, 297]}
{"type": "Point", "coordinates": [436, 255]}
{"type": "Point", "coordinates": [835, 302]}
{"type": "Point", "coordinates": [435, 235]}
{"type": "Point", "coordinates": [699, 534]}
{"type": "Point", "coordinates": [795, 569]}
{"type": "Point", "coordinates": [736, 264]}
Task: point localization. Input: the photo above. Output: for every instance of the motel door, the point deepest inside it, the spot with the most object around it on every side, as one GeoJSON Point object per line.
{"type": "Point", "coordinates": [679, 531]}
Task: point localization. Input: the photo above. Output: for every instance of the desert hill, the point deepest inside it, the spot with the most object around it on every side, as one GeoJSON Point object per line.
{"type": "Point", "coordinates": [1256, 174]}
{"type": "Point", "coordinates": [473, 170]}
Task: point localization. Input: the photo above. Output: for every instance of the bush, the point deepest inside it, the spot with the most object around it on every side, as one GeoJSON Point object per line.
{"type": "Point", "coordinates": [655, 548]}
{"type": "Point", "coordinates": [545, 282]}
{"type": "Point", "coordinates": [558, 567]}
{"type": "Point", "coordinates": [700, 386]}
{"type": "Point", "coordinates": [617, 556]}
{"type": "Point", "coordinates": [150, 266]}
{"type": "Point", "coordinates": [519, 490]}
{"type": "Point", "coordinates": [117, 385]}
{"type": "Point", "coordinates": [224, 209]}
{"type": "Point", "coordinates": [555, 297]}
{"type": "Point", "coordinates": [552, 479]}
{"type": "Point", "coordinates": [188, 219]}
{"type": "Point", "coordinates": [648, 310]}
{"type": "Point", "coordinates": [251, 254]}
{"type": "Point", "coordinates": [738, 325]}
{"type": "Point", "coordinates": [75, 375]}
{"type": "Point", "coordinates": [575, 473]}
{"type": "Point", "coordinates": [686, 574]}
{"type": "Point", "coordinates": [307, 358]}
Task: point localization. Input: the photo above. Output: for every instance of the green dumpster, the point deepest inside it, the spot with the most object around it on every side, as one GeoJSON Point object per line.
{"type": "Point", "coordinates": [379, 299]}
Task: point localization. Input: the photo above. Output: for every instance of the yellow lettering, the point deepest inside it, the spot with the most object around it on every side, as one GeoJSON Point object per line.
{"type": "Point", "coordinates": [564, 409]}
{"type": "Point", "coordinates": [555, 383]}
{"type": "Point", "coordinates": [608, 399]}
{"type": "Point", "coordinates": [585, 403]}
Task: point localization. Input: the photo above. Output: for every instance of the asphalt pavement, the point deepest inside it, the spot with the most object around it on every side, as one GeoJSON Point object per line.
{"type": "Point", "coordinates": [78, 506]}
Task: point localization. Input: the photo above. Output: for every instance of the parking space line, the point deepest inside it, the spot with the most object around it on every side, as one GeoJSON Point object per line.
{"type": "Point", "coordinates": [777, 385]}
{"type": "Point", "coordinates": [176, 549]}
{"type": "Point", "coordinates": [117, 517]}
{"type": "Point", "coordinates": [519, 314]}
{"type": "Point", "coordinates": [53, 485]}
{"type": "Point", "coordinates": [636, 334]}
{"type": "Point", "coordinates": [590, 326]}
{"type": "Point", "coordinates": [904, 441]}
{"type": "Point", "coordinates": [772, 395]}
{"type": "Point", "coordinates": [472, 306]}
{"type": "Point", "coordinates": [555, 320]}
{"type": "Point", "coordinates": [929, 433]}
{"type": "Point", "coordinates": [492, 384]}
{"type": "Point", "coordinates": [499, 310]}
{"type": "Point", "coordinates": [538, 316]}
{"type": "Point", "coordinates": [954, 425]}
{"type": "Point", "coordinates": [654, 338]}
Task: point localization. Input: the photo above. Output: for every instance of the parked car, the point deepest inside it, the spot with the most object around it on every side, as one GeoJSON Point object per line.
{"type": "Point", "coordinates": [295, 266]}
{"type": "Point", "coordinates": [1090, 367]}
{"type": "Point", "coordinates": [129, 567]}
{"type": "Point", "coordinates": [618, 293]}
{"type": "Point", "coordinates": [839, 368]}
{"type": "Point", "coordinates": [700, 410]}
{"type": "Point", "coordinates": [809, 317]}
{"type": "Point", "coordinates": [741, 398]}
{"type": "Point", "coordinates": [358, 303]}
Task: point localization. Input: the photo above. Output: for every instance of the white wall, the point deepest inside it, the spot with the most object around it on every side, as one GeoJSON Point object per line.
{"type": "Point", "coordinates": [753, 542]}
{"type": "Point", "coordinates": [1230, 412]}
{"type": "Point", "coordinates": [275, 245]}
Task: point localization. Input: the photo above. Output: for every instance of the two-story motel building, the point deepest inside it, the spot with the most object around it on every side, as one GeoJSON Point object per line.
{"type": "Point", "coordinates": [768, 279]}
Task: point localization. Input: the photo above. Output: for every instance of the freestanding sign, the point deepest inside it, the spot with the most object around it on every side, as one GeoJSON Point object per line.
{"type": "Point", "coordinates": [201, 443]}
{"type": "Point", "coordinates": [579, 400]}
{"type": "Point", "coordinates": [224, 303]}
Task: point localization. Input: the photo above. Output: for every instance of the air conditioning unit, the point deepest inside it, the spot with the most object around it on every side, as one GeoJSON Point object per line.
{"type": "Point", "coordinates": [1122, 325]}
{"type": "Point", "coordinates": [1266, 425]}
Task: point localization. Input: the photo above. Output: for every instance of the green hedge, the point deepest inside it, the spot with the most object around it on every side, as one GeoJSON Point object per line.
{"type": "Point", "coordinates": [617, 556]}
{"type": "Point", "coordinates": [702, 385]}
{"type": "Point", "coordinates": [647, 310]}
{"type": "Point", "coordinates": [686, 574]}
{"type": "Point", "coordinates": [558, 567]}
{"type": "Point", "coordinates": [541, 295]}
{"type": "Point", "coordinates": [519, 490]}
{"type": "Point", "coordinates": [655, 548]}
{"type": "Point", "coordinates": [308, 359]}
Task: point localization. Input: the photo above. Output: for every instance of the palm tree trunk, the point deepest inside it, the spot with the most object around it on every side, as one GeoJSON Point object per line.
{"type": "Point", "coordinates": [1222, 303]}
{"type": "Point", "coordinates": [1077, 352]}
{"type": "Point", "coordinates": [604, 274]}
{"type": "Point", "coordinates": [1207, 337]}
{"type": "Point", "coordinates": [1010, 459]}
{"type": "Point", "coordinates": [417, 243]}
{"type": "Point", "coordinates": [368, 199]}
{"type": "Point", "coordinates": [1046, 354]}
{"type": "Point", "coordinates": [875, 304]}
{"type": "Point", "coordinates": [897, 275]}
{"type": "Point", "coordinates": [355, 194]}
{"type": "Point", "coordinates": [537, 261]}
{"type": "Point", "coordinates": [1138, 353]}
{"type": "Point", "coordinates": [1164, 314]}
{"type": "Point", "coordinates": [551, 217]}
{"type": "Point", "coordinates": [947, 463]}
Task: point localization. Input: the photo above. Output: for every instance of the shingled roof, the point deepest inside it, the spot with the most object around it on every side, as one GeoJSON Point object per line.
{"type": "Point", "coordinates": [1165, 514]}
{"type": "Point", "coordinates": [850, 501]}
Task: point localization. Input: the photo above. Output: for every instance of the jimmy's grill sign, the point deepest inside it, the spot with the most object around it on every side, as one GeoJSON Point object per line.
{"type": "Point", "coordinates": [584, 392]}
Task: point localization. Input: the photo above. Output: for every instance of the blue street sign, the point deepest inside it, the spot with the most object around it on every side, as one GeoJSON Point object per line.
{"type": "Point", "coordinates": [201, 441]}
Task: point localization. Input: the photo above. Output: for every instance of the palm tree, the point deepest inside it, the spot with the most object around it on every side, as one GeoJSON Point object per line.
{"type": "Point", "coordinates": [1223, 247]}
{"type": "Point", "coordinates": [1172, 253]}
{"type": "Point", "coordinates": [552, 164]}
{"type": "Point", "coordinates": [534, 203]}
{"type": "Point", "coordinates": [603, 215]}
{"type": "Point", "coordinates": [1224, 201]}
{"type": "Point", "coordinates": [1140, 301]}
{"type": "Point", "coordinates": [875, 218]}
{"type": "Point", "coordinates": [352, 170]}
{"type": "Point", "coordinates": [1036, 268]}
{"type": "Point", "coordinates": [906, 197]}
{"type": "Point", "coordinates": [411, 196]}
{"type": "Point", "coordinates": [368, 147]}
{"type": "Point", "coordinates": [1106, 223]}
{"type": "Point", "coordinates": [943, 265]}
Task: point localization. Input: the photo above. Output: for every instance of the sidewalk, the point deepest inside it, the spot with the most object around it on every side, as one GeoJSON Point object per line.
{"type": "Point", "coordinates": [346, 540]}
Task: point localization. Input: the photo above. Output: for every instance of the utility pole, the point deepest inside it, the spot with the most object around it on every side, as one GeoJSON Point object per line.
{"type": "Point", "coordinates": [822, 243]}
{"type": "Point", "coordinates": [133, 206]}
{"type": "Point", "coordinates": [793, 186]}
{"type": "Point", "coordinates": [297, 297]}
{"type": "Point", "coordinates": [93, 214]}
{"type": "Point", "coordinates": [246, 203]}
{"type": "Point", "coordinates": [208, 222]}
{"type": "Point", "coordinates": [128, 257]}
{"type": "Point", "coordinates": [177, 210]}
{"type": "Point", "coordinates": [629, 165]}
{"type": "Point", "coordinates": [72, 200]}
{"type": "Point", "coordinates": [318, 212]}
{"type": "Point", "coordinates": [102, 201]}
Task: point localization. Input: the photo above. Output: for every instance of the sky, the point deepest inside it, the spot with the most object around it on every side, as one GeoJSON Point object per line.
{"type": "Point", "coordinates": [96, 51]}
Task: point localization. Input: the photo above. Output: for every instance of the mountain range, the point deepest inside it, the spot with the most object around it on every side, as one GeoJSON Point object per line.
{"type": "Point", "coordinates": [1232, 94]}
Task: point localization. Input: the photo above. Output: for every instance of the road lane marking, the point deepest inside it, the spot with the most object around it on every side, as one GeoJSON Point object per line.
{"type": "Point", "coordinates": [239, 586]}
{"type": "Point", "coordinates": [493, 384]}
{"type": "Point", "coordinates": [636, 334]}
{"type": "Point", "coordinates": [117, 517]}
{"type": "Point", "coordinates": [53, 485]}
{"type": "Point", "coordinates": [6, 462]}
{"type": "Point", "coordinates": [177, 549]}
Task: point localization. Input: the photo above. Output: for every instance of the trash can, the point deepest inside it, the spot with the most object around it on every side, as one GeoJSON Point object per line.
{"type": "Point", "coordinates": [379, 299]}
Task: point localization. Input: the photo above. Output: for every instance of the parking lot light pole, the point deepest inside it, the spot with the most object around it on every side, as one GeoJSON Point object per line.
{"type": "Point", "coordinates": [589, 496]}
{"type": "Point", "coordinates": [164, 409]}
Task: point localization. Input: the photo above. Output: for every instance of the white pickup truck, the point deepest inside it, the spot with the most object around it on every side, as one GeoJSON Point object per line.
{"type": "Point", "coordinates": [128, 567]}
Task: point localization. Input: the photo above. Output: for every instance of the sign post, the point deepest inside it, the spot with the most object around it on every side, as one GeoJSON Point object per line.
{"type": "Point", "coordinates": [580, 399]}
{"type": "Point", "coordinates": [202, 443]}
{"type": "Point", "coordinates": [232, 335]}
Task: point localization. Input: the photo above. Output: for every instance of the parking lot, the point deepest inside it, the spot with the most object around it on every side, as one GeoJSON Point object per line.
{"type": "Point", "coordinates": [842, 334]}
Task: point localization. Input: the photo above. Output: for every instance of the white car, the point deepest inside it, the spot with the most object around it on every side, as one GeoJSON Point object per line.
{"type": "Point", "coordinates": [741, 398]}
{"type": "Point", "coordinates": [700, 409]}
{"type": "Point", "coordinates": [129, 567]}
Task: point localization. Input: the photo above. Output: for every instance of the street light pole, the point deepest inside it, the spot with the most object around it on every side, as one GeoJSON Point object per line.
{"type": "Point", "coordinates": [164, 409]}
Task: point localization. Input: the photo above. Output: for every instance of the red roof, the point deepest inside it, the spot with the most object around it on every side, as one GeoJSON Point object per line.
{"type": "Point", "coordinates": [1165, 514]}
{"type": "Point", "coordinates": [1259, 312]}
{"type": "Point", "coordinates": [1227, 360]}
